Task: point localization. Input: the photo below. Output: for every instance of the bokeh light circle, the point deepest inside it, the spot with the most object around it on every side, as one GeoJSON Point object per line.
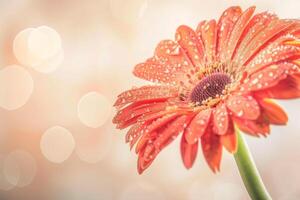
{"type": "Point", "coordinates": [39, 48]}
{"type": "Point", "coordinates": [16, 86]}
{"type": "Point", "coordinates": [93, 109]}
{"type": "Point", "coordinates": [51, 64]}
{"type": "Point", "coordinates": [57, 144]}
{"type": "Point", "coordinates": [44, 42]}
{"type": "Point", "coordinates": [4, 183]}
{"type": "Point", "coordinates": [20, 168]}
{"type": "Point", "coordinates": [21, 50]}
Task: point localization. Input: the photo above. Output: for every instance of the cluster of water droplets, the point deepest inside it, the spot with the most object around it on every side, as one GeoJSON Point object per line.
{"type": "Point", "coordinates": [144, 93]}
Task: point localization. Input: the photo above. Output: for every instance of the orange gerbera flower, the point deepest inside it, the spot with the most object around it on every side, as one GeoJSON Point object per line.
{"type": "Point", "coordinates": [209, 80]}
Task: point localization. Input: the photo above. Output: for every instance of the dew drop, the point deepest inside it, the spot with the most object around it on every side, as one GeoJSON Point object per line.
{"type": "Point", "coordinates": [240, 113]}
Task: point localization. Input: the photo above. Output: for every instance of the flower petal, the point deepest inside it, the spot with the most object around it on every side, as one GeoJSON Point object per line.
{"type": "Point", "coordinates": [237, 31]}
{"type": "Point", "coordinates": [198, 126]}
{"type": "Point", "coordinates": [160, 140]}
{"type": "Point", "coordinates": [208, 34]}
{"type": "Point", "coordinates": [171, 132]}
{"type": "Point", "coordinates": [128, 114]}
{"type": "Point", "coordinates": [193, 48]}
{"type": "Point", "coordinates": [293, 42]}
{"type": "Point", "coordinates": [143, 163]}
{"type": "Point", "coordinates": [212, 149]}
{"type": "Point", "coordinates": [263, 38]}
{"type": "Point", "coordinates": [287, 88]}
{"type": "Point", "coordinates": [146, 93]}
{"type": "Point", "coordinates": [273, 112]}
{"type": "Point", "coordinates": [188, 152]}
{"type": "Point", "coordinates": [265, 78]}
{"type": "Point", "coordinates": [244, 107]}
{"type": "Point", "coordinates": [150, 131]}
{"type": "Point", "coordinates": [225, 26]}
{"type": "Point", "coordinates": [221, 119]}
{"type": "Point", "coordinates": [161, 122]}
{"type": "Point", "coordinates": [274, 53]}
{"type": "Point", "coordinates": [269, 76]}
{"type": "Point", "coordinates": [169, 65]}
{"type": "Point", "coordinates": [229, 139]}
{"type": "Point", "coordinates": [257, 127]}
{"type": "Point", "coordinates": [134, 134]}
{"type": "Point", "coordinates": [258, 23]}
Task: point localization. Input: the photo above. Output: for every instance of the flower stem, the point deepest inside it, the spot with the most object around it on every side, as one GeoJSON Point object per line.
{"type": "Point", "coordinates": [248, 171]}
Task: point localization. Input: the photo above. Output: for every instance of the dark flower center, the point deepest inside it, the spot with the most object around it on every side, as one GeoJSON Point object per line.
{"type": "Point", "coordinates": [210, 86]}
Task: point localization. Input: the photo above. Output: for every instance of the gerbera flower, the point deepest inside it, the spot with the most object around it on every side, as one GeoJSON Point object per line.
{"type": "Point", "coordinates": [210, 80]}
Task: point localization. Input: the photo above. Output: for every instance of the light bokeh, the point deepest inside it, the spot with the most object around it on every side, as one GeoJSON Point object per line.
{"type": "Point", "coordinates": [39, 48]}
{"type": "Point", "coordinates": [21, 49]}
{"type": "Point", "coordinates": [62, 64]}
{"type": "Point", "coordinates": [20, 168]}
{"type": "Point", "coordinates": [16, 87]}
{"type": "Point", "coordinates": [5, 181]}
{"type": "Point", "coordinates": [57, 144]}
{"type": "Point", "coordinates": [93, 109]}
{"type": "Point", "coordinates": [44, 42]}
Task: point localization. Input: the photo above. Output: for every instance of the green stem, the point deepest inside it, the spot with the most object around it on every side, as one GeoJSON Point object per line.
{"type": "Point", "coordinates": [248, 171]}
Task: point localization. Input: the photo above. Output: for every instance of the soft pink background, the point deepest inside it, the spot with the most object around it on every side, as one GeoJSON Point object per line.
{"type": "Point", "coordinates": [102, 41]}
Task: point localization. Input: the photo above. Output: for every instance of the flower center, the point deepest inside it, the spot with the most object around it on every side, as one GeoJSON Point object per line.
{"type": "Point", "coordinates": [210, 86]}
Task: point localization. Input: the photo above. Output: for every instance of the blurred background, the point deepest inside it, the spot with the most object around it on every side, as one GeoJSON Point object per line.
{"type": "Point", "coordinates": [62, 63]}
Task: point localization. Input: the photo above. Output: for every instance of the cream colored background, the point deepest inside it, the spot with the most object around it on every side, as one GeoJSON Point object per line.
{"type": "Point", "coordinates": [102, 41]}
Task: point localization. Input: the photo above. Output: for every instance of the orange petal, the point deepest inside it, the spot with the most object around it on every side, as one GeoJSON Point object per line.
{"type": "Point", "coordinates": [256, 127]}
{"type": "Point", "coordinates": [146, 117]}
{"type": "Point", "coordinates": [193, 48]}
{"type": "Point", "coordinates": [286, 89]}
{"type": "Point", "coordinates": [293, 42]}
{"type": "Point", "coordinates": [169, 133]}
{"type": "Point", "coordinates": [263, 38]}
{"type": "Point", "coordinates": [143, 141]}
{"type": "Point", "coordinates": [229, 140]}
{"type": "Point", "coordinates": [144, 162]}
{"type": "Point", "coordinates": [273, 53]}
{"type": "Point", "coordinates": [126, 115]}
{"type": "Point", "coordinates": [134, 134]}
{"type": "Point", "coordinates": [297, 62]}
{"type": "Point", "coordinates": [169, 65]}
{"type": "Point", "coordinates": [150, 132]}
{"type": "Point", "coordinates": [127, 109]}
{"type": "Point", "coordinates": [161, 122]}
{"type": "Point", "coordinates": [208, 32]}
{"type": "Point", "coordinates": [134, 130]}
{"type": "Point", "coordinates": [237, 31]}
{"type": "Point", "coordinates": [156, 115]}
{"type": "Point", "coordinates": [188, 152]}
{"type": "Point", "coordinates": [221, 119]}
{"type": "Point", "coordinates": [158, 141]}
{"type": "Point", "coordinates": [145, 93]}
{"type": "Point", "coordinates": [243, 106]}
{"type": "Point", "coordinates": [265, 78]}
{"type": "Point", "coordinates": [255, 26]}
{"type": "Point", "coordinates": [273, 112]}
{"type": "Point", "coordinates": [212, 149]}
{"type": "Point", "coordinates": [225, 26]}
{"type": "Point", "coordinates": [125, 124]}
{"type": "Point", "coordinates": [198, 126]}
